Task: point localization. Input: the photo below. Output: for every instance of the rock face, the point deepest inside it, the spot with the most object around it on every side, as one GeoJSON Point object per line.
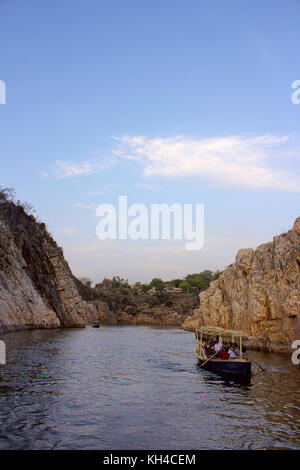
{"type": "Point", "coordinates": [259, 293]}
{"type": "Point", "coordinates": [160, 309]}
{"type": "Point", "coordinates": [37, 288]}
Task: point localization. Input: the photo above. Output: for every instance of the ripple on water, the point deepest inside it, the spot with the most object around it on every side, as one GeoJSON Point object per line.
{"type": "Point", "coordinates": [125, 387]}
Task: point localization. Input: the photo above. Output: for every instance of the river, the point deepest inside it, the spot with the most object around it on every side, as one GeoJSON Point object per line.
{"type": "Point", "coordinates": [139, 388]}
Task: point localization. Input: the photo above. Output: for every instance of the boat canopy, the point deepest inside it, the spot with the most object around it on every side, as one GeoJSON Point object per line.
{"type": "Point", "coordinates": [216, 330]}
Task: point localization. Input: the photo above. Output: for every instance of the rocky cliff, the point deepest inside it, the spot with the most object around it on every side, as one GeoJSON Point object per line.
{"type": "Point", "coordinates": [37, 288]}
{"type": "Point", "coordinates": [259, 293]}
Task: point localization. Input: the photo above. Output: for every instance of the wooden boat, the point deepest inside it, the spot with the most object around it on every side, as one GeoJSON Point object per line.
{"type": "Point", "coordinates": [234, 367]}
{"type": "Point", "coordinates": [96, 324]}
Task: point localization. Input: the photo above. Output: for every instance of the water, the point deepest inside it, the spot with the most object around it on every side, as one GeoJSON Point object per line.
{"type": "Point", "coordinates": [138, 388]}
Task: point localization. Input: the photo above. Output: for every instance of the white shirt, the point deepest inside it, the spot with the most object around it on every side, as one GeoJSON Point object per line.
{"type": "Point", "coordinates": [218, 346]}
{"type": "Point", "coordinates": [232, 354]}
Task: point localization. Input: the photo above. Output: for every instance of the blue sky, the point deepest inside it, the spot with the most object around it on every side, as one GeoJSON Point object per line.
{"type": "Point", "coordinates": [198, 92]}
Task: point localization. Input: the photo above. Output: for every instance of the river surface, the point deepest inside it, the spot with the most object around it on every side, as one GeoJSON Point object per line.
{"type": "Point", "coordinates": [139, 388]}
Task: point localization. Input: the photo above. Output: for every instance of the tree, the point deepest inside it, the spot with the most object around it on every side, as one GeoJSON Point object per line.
{"type": "Point", "coordinates": [6, 194]}
{"type": "Point", "coordinates": [86, 281]}
{"type": "Point", "coordinates": [119, 282]}
{"type": "Point", "coordinates": [157, 283]}
{"type": "Point", "coordinates": [185, 286]}
{"type": "Point", "coordinates": [27, 206]}
{"type": "Point", "coordinates": [200, 280]}
{"type": "Point", "coordinates": [217, 274]}
{"type": "Point", "coordinates": [145, 287]}
{"type": "Point", "coordinates": [176, 282]}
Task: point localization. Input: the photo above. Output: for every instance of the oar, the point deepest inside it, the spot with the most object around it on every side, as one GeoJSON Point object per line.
{"type": "Point", "coordinates": [209, 359]}
{"type": "Point", "coordinates": [259, 366]}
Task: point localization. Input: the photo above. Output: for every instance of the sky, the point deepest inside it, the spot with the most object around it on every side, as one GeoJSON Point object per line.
{"type": "Point", "coordinates": [170, 101]}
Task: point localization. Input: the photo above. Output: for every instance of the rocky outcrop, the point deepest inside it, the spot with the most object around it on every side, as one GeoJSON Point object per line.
{"type": "Point", "coordinates": [152, 316]}
{"type": "Point", "coordinates": [160, 308]}
{"type": "Point", "coordinates": [259, 293]}
{"type": "Point", "coordinates": [37, 288]}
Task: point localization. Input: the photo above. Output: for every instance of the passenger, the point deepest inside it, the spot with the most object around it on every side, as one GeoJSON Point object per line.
{"type": "Point", "coordinates": [204, 347]}
{"type": "Point", "coordinates": [224, 356]}
{"type": "Point", "coordinates": [210, 350]}
{"type": "Point", "coordinates": [232, 353]}
{"type": "Point", "coordinates": [218, 344]}
{"type": "Point", "coordinates": [236, 350]}
{"type": "Point", "coordinates": [244, 353]}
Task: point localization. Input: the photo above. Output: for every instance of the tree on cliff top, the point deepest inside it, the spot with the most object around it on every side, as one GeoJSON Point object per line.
{"type": "Point", "coordinates": [200, 280]}
{"type": "Point", "coordinates": [6, 194]}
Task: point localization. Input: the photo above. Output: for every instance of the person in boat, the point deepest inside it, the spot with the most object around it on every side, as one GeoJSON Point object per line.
{"type": "Point", "coordinates": [244, 353]}
{"type": "Point", "coordinates": [224, 355]}
{"type": "Point", "coordinates": [233, 352]}
{"type": "Point", "coordinates": [218, 345]}
{"type": "Point", "coordinates": [204, 347]}
{"type": "Point", "coordinates": [209, 348]}
{"type": "Point", "coordinates": [236, 350]}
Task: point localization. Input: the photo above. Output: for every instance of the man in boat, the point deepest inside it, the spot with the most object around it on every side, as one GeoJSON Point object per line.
{"type": "Point", "coordinates": [218, 344]}
{"type": "Point", "coordinates": [224, 356]}
{"type": "Point", "coordinates": [209, 348]}
{"type": "Point", "coordinates": [233, 352]}
{"type": "Point", "coordinates": [236, 350]}
{"type": "Point", "coordinates": [244, 353]}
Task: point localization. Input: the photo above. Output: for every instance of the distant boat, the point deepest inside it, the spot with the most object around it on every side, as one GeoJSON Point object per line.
{"type": "Point", "coordinates": [96, 324]}
{"type": "Point", "coordinates": [234, 367]}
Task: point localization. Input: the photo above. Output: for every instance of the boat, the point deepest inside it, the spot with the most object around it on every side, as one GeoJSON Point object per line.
{"type": "Point", "coordinates": [96, 324]}
{"type": "Point", "coordinates": [233, 367]}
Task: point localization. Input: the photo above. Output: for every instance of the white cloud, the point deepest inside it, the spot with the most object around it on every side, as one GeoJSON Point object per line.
{"type": "Point", "coordinates": [106, 187]}
{"type": "Point", "coordinates": [83, 205]}
{"type": "Point", "coordinates": [143, 186]}
{"type": "Point", "coordinates": [66, 169]}
{"type": "Point", "coordinates": [235, 161]}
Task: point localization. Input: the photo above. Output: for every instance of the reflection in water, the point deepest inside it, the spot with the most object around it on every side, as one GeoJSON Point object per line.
{"type": "Point", "coordinates": [139, 387]}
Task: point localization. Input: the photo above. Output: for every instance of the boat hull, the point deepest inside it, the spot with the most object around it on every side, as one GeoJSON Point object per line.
{"type": "Point", "coordinates": [233, 367]}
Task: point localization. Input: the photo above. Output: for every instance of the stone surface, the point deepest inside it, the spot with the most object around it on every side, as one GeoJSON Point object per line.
{"type": "Point", "coordinates": [259, 293]}
{"type": "Point", "coordinates": [37, 288]}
